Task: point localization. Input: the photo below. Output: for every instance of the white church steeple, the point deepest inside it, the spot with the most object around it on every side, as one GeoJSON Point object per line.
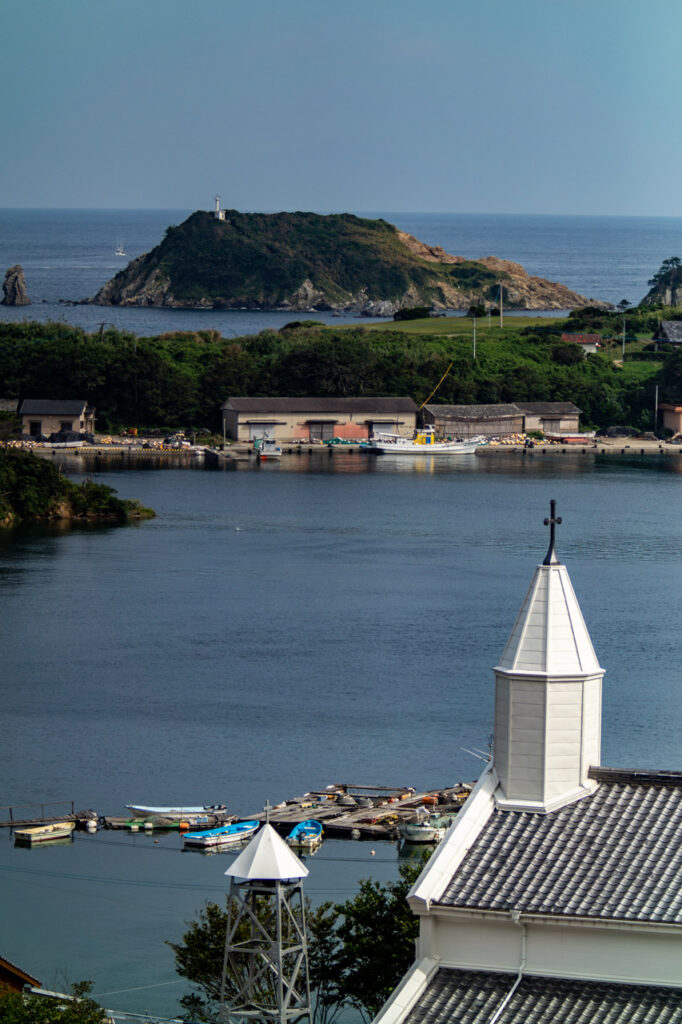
{"type": "Point", "coordinates": [547, 696]}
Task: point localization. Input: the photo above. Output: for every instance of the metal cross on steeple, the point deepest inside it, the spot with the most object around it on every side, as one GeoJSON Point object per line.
{"type": "Point", "coordinates": [552, 522]}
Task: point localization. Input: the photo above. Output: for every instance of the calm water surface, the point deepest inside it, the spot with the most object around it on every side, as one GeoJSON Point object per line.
{"type": "Point", "coordinates": [274, 630]}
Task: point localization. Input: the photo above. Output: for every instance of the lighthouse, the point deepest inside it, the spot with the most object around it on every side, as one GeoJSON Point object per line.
{"type": "Point", "coordinates": [218, 213]}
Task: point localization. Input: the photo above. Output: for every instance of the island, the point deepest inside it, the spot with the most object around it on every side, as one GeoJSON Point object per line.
{"type": "Point", "coordinates": [310, 261]}
{"type": "Point", "coordinates": [33, 490]}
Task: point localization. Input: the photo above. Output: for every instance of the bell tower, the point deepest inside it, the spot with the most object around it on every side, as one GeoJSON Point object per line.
{"type": "Point", "coordinates": [547, 695]}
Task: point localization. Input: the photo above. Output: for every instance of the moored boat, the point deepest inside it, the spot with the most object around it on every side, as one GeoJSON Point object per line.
{"type": "Point", "coordinates": [225, 835]}
{"type": "Point", "coordinates": [267, 448]}
{"type": "Point", "coordinates": [431, 830]}
{"type": "Point", "coordinates": [306, 833]}
{"type": "Point", "coordinates": [174, 812]}
{"type": "Point", "coordinates": [423, 443]}
{"type": "Point", "coordinates": [44, 833]}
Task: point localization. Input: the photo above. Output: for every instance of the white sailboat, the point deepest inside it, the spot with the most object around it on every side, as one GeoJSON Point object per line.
{"type": "Point", "coordinates": [120, 251]}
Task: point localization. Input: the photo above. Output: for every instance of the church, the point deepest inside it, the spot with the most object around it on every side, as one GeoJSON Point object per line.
{"type": "Point", "coordinates": [556, 896]}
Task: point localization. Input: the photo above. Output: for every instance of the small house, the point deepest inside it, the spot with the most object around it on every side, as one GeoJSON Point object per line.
{"type": "Point", "coordinates": [317, 419]}
{"type": "Point", "coordinates": [13, 979]}
{"type": "Point", "coordinates": [588, 342]}
{"type": "Point", "coordinates": [669, 332]}
{"type": "Point", "coordinates": [42, 417]}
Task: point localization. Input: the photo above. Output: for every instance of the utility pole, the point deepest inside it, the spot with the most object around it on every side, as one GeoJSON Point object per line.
{"type": "Point", "coordinates": [474, 319]}
{"type": "Point", "coordinates": [501, 316]}
{"type": "Point", "coordinates": [656, 410]}
{"type": "Point", "coordinates": [623, 338]}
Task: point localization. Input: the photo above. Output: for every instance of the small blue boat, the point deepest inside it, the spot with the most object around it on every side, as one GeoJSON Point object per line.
{"type": "Point", "coordinates": [223, 836]}
{"type": "Point", "coordinates": [306, 833]}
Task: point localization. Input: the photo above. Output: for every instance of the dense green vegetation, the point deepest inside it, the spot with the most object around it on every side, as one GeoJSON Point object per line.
{"type": "Point", "coordinates": [180, 380]}
{"type": "Point", "coordinates": [17, 1008]}
{"type": "Point", "coordinates": [32, 488]}
{"type": "Point", "coordinates": [258, 260]}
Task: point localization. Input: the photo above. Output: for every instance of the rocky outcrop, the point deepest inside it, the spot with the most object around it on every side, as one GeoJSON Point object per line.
{"type": "Point", "coordinates": [14, 288]}
{"type": "Point", "coordinates": [304, 262]}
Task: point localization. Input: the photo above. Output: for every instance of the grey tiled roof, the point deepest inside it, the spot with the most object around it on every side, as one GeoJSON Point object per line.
{"type": "Point", "coordinates": [472, 997]}
{"type": "Point", "coordinates": [282, 405]}
{"type": "Point", "coordinates": [549, 408]}
{"type": "Point", "coordinates": [670, 330]}
{"type": "Point", "coordinates": [52, 407]}
{"type": "Point", "coordinates": [473, 412]}
{"type": "Point", "coordinates": [616, 854]}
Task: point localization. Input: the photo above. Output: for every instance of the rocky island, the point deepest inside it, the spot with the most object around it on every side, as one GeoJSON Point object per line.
{"type": "Point", "coordinates": [310, 261]}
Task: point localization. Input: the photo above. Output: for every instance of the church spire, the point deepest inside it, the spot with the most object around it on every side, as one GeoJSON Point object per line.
{"type": "Point", "coordinates": [547, 694]}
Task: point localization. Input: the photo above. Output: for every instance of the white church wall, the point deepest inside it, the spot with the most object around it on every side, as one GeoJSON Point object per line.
{"type": "Point", "coordinates": [635, 954]}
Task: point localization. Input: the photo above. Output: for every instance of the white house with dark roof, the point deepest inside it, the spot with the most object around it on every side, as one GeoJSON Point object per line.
{"type": "Point", "coordinates": [42, 417]}
{"type": "Point", "coordinates": [556, 896]}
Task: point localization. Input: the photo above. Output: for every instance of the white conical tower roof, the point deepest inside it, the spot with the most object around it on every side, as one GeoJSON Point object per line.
{"type": "Point", "coordinates": [267, 857]}
{"type": "Point", "coordinates": [550, 635]}
{"type": "Point", "coordinates": [547, 696]}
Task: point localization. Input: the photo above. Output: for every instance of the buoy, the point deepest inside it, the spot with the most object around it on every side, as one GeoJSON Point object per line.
{"type": "Point", "coordinates": [91, 825]}
{"type": "Point", "coordinates": [148, 826]}
{"type": "Point", "coordinates": [134, 828]}
{"type": "Point", "coordinates": [372, 853]}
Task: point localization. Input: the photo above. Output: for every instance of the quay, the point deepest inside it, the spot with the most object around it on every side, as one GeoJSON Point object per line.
{"type": "Point", "coordinates": [346, 811]}
{"type": "Point", "coordinates": [243, 451]}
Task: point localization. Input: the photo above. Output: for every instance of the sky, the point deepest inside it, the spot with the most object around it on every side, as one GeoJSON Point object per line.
{"type": "Point", "coordinates": [483, 106]}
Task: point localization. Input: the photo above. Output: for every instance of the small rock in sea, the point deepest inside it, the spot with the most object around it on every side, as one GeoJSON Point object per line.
{"type": "Point", "coordinates": [14, 288]}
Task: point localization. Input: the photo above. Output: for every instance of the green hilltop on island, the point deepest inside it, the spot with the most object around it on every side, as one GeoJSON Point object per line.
{"type": "Point", "coordinates": [309, 261]}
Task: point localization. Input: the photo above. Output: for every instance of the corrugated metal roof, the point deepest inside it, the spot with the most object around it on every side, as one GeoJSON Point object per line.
{"type": "Point", "coordinates": [615, 854]}
{"type": "Point", "coordinates": [52, 407]}
{"type": "Point", "coordinates": [321, 405]}
{"type": "Point", "coordinates": [473, 997]}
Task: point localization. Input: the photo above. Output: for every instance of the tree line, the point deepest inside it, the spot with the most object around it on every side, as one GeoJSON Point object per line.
{"type": "Point", "coordinates": [180, 380]}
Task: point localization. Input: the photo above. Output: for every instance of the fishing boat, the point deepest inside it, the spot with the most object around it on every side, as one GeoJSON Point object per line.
{"type": "Point", "coordinates": [306, 834]}
{"type": "Point", "coordinates": [44, 833]}
{"type": "Point", "coordinates": [430, 830]}
{"type": "Point", "coordinates": [225, 835]}
{"type": "Point", "coordinates": [267, 448]}
{"type": "Point", "coordinates": [424, 442]}
{"type": "Point", "coordinates": [176, 812]}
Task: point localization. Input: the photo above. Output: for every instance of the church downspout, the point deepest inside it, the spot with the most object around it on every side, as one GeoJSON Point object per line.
{"type": "Point", "coordinates": [516, 918]}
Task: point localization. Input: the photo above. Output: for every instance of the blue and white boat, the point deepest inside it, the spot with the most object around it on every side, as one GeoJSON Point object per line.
{"type": "Point", "coordinates": [225, 835]}
{"type": "Point", "coordinates": [307, 834]}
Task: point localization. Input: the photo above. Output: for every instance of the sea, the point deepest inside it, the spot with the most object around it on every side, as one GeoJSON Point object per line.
{"type": "Point", "coordinates": [67, 255]}
{"type": "Point", "coordinates": [279, 628]}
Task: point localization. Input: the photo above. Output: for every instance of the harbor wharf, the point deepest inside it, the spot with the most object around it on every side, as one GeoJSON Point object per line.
{"type": "Point", "coordinates": [244, 452]}
{"type": "Point", "coordinates": [345, 811]}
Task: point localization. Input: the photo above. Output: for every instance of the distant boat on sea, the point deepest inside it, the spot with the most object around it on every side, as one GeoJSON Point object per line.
{"type": "Point", "coordinates": [120, 251]}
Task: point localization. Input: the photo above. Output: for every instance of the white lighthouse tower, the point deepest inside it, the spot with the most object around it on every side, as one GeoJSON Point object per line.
{"type": "Point", "coordinates": [218, 213]}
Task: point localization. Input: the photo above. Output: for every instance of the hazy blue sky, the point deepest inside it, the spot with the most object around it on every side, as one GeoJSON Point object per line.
{"type": "Point", "coordinates": [535, 106]}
